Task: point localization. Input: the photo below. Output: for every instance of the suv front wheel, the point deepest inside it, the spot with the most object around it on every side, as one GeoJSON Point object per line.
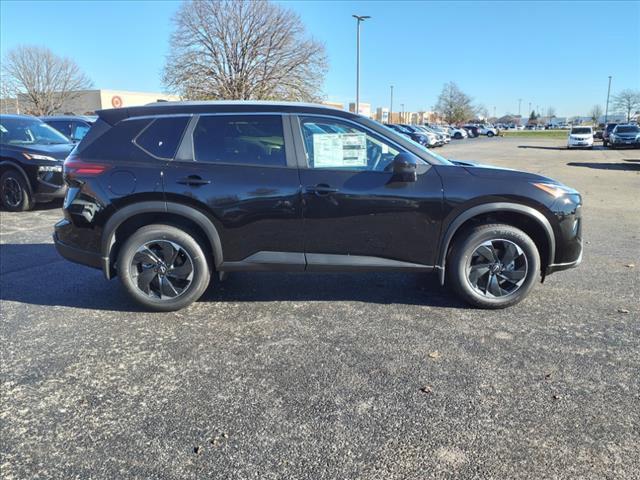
{"type": "Point", "coordinates": [163, 268]}
{"type": "Point", "coordinates": [493, 266]}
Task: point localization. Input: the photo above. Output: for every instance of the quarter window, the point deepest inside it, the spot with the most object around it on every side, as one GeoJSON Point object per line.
{"type": "Point", "coordinates": [333, 144]}
{"type": "Point", "coordinates": [240, 140]}
{"type": "Point", "coordinates": [162, 136]}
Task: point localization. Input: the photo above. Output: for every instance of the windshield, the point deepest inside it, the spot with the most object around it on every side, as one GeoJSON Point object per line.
{"type": "Point", "coordinates": [29, 131]}
{"type": "Point", "coordinates": [627, 129]}
{"type": "Point", "coordinates": [580, 131]}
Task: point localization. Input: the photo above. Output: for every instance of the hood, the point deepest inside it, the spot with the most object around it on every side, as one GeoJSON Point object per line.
{"type": "Point", "coordinates": [490, 171]}
{"type": "Point", "coordinates": [59, 152]}
{"type": "Point", "coordinates": [626, 134]}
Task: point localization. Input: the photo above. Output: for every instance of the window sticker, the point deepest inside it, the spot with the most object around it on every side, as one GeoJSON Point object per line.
{"type": "Point", "coordinates": [339, 150]}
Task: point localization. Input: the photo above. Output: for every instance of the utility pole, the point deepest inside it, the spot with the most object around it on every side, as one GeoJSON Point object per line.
{"type": "Point", "coordinates": [391, 107]}
{"type": "Point", "coordinates": [359, 18]}
{"type": "Point", "coordinates": [606, 112]}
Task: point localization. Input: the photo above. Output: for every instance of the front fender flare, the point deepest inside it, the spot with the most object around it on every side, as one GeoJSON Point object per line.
{"type": "Point", "coordinates": [455, 225]}
{"type": "Point", "coordinates": [193, 214]}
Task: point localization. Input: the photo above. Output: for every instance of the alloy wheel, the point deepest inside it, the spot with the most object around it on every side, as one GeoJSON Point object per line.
{"type": "Point", "coordinates": [12, 192]}
{"type": "Point", "coordinates": [497, 268]}
{"type": "Point", "coordinates": [162, 269]}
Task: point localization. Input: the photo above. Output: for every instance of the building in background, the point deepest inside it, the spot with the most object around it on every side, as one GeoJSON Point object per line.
{"type": "Point", "coordinates": [382, 115]}
{"type": "Point", "coordinates": [88, 101]}
{"type": "Point", "coordinates": [364, 109]}
{"type": "Point", "coordinates": [338, 105]}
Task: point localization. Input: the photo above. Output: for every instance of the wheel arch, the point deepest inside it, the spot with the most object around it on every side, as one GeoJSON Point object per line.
{"type": "Point", "coordinates": [136, 215]}
{"type": "Point", "coordinates": [530, 220]}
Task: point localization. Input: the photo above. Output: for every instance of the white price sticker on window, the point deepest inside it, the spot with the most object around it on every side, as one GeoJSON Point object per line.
{"type": "Point", "coordinates": [339, 150]}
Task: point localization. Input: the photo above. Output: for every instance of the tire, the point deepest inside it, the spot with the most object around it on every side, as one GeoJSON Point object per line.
{"type": "Point", "coordinates": [512, 282]}
{"type": "Point", "coordinates": [604, 143]}
{"type": "Point", "coordinates": [14, 192]}
{"type": "Point", "coordinates": [168, 288]}
{"type": "Point", "coordinates": [490, 134]}
{"type": "Point", "coordinates": [457, 135]}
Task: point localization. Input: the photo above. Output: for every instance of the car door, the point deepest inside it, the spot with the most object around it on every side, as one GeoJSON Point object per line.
{"type": "Point", "coordinates": [241, 170]}
{"type": "Point", "coordinates": [355, 212]}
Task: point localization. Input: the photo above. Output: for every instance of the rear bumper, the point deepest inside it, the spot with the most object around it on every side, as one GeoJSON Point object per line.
{"type": "Point", "coordinates": [76, 255]}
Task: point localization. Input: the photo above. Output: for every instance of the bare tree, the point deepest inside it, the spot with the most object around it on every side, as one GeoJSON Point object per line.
{"type": "Point", "coordinates": [42, 80]}
{"type": "Point", "coordinates": [453, 104]}
{"type": "Point", "coordinates": [627, 102]}
{"type": "Point", "coordinates": [243, 49]}
{"type": "Point", "coordinates": [596, 113]}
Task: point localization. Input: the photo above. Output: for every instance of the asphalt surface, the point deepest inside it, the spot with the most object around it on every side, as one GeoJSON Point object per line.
{"type": "Point", "coordinates": [368, 376]}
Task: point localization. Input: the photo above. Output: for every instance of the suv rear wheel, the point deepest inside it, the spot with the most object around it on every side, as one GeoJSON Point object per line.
{"type": "Point", "coordinates": [493, 266]}
{"type": "Point", "coordinates": [14, 192]}
{"type": "Point", "coordinates": [163, 268]}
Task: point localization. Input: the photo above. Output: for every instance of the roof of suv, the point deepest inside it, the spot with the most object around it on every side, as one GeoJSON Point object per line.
{"type": "Point", "coordinates": [115, 115]}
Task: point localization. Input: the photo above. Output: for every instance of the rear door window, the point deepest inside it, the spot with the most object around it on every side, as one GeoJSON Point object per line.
{"type": "Point", "coordinates": [161, 137]}
{"type": "Point", "coordinates": [240, 140]}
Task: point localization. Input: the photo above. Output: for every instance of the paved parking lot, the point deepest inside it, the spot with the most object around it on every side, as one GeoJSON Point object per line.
{"type": "Point", "coordinates": [370, 376]}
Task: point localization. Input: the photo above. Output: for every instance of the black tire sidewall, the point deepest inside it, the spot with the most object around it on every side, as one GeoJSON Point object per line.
{"type": "Point", "coordinates": [465, 247]}
{"type": "Point", "coordinates": [26, 203]}
{"type": "Point", "coordinates": [201, 275]}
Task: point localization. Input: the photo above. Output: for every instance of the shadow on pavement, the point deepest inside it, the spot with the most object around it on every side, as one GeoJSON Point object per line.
{"type": "Point", "coordinates": [36, 274]}
{"type": "Point", "coordinates": [540, 147]}
{"type": "Point", "coordinates": [606, 166]}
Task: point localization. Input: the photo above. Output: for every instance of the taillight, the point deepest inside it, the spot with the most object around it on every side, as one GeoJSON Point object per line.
{"type": "Point", "coordinates": [76, 167]}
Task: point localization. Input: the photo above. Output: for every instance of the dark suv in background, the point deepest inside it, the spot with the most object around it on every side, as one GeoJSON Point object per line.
{"type": "Point", "coordinates": [165, 195]}
{"type": "Point", "coordinates": [74, 127]}
{"type": "Point", "coordinates": [31, 157]}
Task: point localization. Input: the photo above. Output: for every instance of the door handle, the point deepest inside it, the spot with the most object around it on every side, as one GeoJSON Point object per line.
{"type": "Point", "coordinates": [193, 180]}
{"type": "Point", "coordinates": [321, 189]}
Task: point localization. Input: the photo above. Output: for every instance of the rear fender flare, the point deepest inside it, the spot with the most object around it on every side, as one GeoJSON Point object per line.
{"type": "Point", "coordinates": [193, 214]}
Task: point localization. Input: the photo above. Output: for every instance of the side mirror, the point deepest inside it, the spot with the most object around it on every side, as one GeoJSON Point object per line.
{"type": "Point", "coordinates": [405, 167]}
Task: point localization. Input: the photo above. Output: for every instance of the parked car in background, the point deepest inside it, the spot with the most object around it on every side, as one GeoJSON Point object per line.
{"type": "Point", "coordinates": [31, 157]}
{"type": "Point", "coordinates": [472, 130]}
{"type": "Point", "coordinates": [580, 137]}
{"type": "Point", "coordinates": [606, 131]}
{"type": "Point", "coordinates": [435, 140]}
{"type": "Point", "coordinates": [443, 130]}
{"type": "Point", "coordinates": [458, 133]}
{"type": "Point", "coordinates": [487, 130]}
{"type": "Point", "coordinates": [625, 136]}
{"type": "Point", "coordinates": [74, 127]}
{"type": "Point", "coordinates": [165, 196]}
{"type": "Point", "coordinates": [419, 137]}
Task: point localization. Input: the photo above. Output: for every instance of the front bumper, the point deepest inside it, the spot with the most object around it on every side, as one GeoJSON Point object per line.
{"type": "Point", "coordinates": [623, 142]}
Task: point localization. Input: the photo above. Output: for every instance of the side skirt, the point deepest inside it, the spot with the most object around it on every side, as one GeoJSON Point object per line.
{"type": "Point", "coordinates": [319, 262]}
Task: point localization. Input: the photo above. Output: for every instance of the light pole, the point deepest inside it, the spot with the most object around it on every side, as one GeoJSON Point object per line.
{"type": "Point", "coordinates": [391, 106]}
{"type": "Point", "coordinates": [519, 105]}
{"type": "Point", "coordinates": [606, 111]}
{"type": "Point", "coordinates": [359, 18]}
{"type": "Point", "coordinates": [529, 108]}
{"type": "Point", "coordinates": [402, 108]}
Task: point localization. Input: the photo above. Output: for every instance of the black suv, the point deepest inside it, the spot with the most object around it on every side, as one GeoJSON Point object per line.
{"type": "Point", "coordinates": [166, 194]}
{"type": "Point", "coordinates": [74, 127]}
{"type": "Point", "coordinates": [31, 156]}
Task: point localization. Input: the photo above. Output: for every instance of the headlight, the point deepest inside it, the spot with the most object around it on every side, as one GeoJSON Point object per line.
{"type": "Point", "coordinates": [35, 156]}
{"type": "Point", "coordinates": [612, 136]}
{"type": "Point", "coordinates": [54, 168]}
{"type": "Point", "coordinates": [554, 190]}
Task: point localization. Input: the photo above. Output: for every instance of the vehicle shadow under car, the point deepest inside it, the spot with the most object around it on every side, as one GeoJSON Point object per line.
{"type": "Point", "coordinates": [36, 274]}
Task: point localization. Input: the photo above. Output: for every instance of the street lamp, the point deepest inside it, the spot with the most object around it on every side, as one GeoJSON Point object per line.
{"type": "Point", "coordinates": [606, 112]}
{"type": "Point", "coordinates": [391, 107]}
{"type": "Point", "coordinates": [519, 104]}
{"type": "Point", "coordinates": [402, 107]}
{"type": "Point", "coordinates": [359, 18]}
